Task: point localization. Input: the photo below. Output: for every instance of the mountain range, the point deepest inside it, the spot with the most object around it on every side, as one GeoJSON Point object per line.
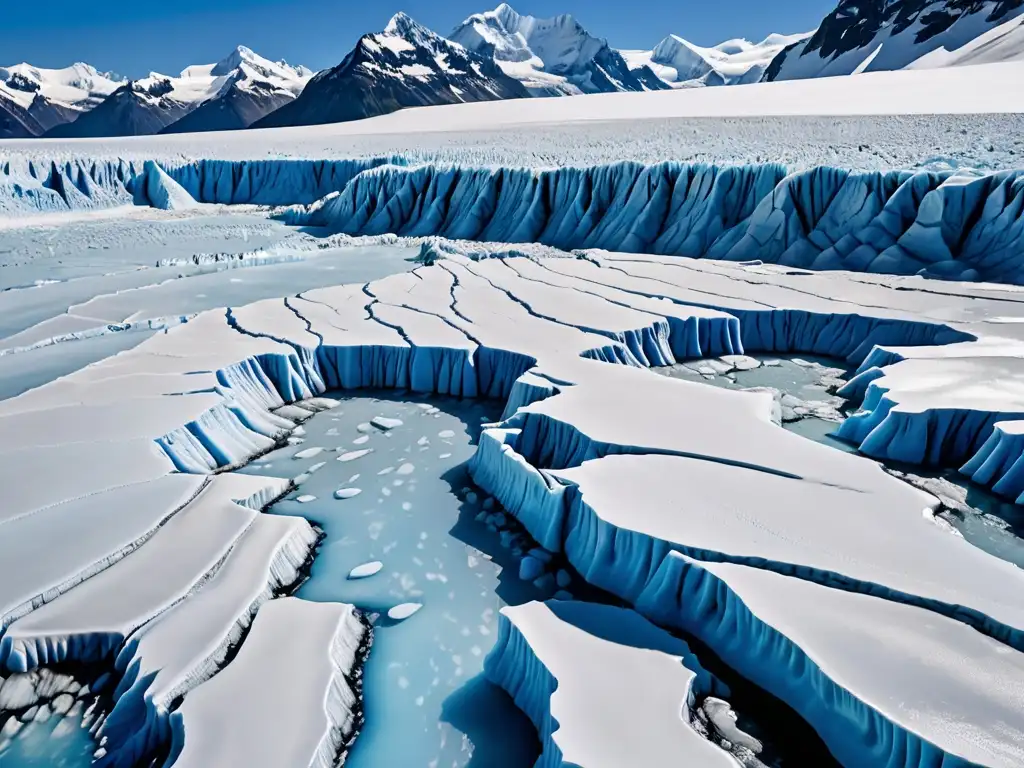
{"type": "Point", "coordinates": [498, 54]}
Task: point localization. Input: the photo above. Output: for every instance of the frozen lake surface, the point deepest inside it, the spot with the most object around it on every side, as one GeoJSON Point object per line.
{"type": "Point", "coordinates": [426, 702]}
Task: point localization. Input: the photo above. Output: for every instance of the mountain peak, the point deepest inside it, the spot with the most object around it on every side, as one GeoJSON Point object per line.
{"type": "Point", "coordinates": [401, 24]}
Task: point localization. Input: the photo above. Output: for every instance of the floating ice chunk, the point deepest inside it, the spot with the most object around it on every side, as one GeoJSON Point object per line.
{"type": "Point", "coordinates": [308, 453]}
{"type": "Point", "coordinates": [366, 570]}
{"type": "Point", "coordinates": [386, 471]}
{"type": "Point", "coordinates": [405, 469]}
{"type": "Point", "coordinates": [315, 467]}
{"type": "Point", "coordinates": [445, 456]}
{"type": "Point", "coordinates": [305, 498]}
{"type": "Point", "coordinates": [347, 493]}
{"type": "Point", "coordinates": [353, 455]}
{"type": "Point", "coordinates": [423, 441]}
{"type": "Point", "coordinates": [446, 434]}
{"type": "Point", "coordinates": [18, 691]}
{"type": "Point", "coordinates": [361, 440]}
{"type": "Point", "coordinates": [403, 611]}
{"type": "Point", "coordinates": [382, 422]}
{"type": "Point", "coordinates": [300, 479]}
{"type": "Point", "coordinates": [364, 427]}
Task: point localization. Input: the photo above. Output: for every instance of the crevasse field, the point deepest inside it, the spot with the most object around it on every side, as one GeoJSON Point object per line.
{"type": "Point", "coordinates": [680, 428]}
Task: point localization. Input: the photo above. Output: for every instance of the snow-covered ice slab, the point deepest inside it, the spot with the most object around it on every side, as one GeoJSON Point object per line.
{"type": "Point", "coordinates": [49, 551]}
{"type": "Point", "coordinates": [603, 686]}
{"type": "Point", "coordinates": [286, 700]}
{"type": "Point", "coordinates": [620, 521]}
{"type": "Point", "coordinates": [187, 644]}
{"type": "Point", "coordinates": [881, 682]}
{"type": "Point", "coordinates": [89, 622]}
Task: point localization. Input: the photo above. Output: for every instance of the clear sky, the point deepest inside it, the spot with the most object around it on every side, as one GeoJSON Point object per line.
{"type": "Point", "coordinates": [136, 37]}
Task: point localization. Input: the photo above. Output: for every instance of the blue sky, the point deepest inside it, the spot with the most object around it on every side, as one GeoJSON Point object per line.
{"type": "Point", "coordinates": [166, 35]}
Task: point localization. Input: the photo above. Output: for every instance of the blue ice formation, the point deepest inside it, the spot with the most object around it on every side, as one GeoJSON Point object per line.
{"type": "Point", "coordinates": [270, 182]}
{"type": "Point", "coordinates": [514, 666]}
{"type": "Point", "coordinates": [31, 185]}
{"type": "Point", "coordinates": [898, 222]}
{"type": "Point", "coordinates": [999, 463]}
{"type": "Point", "coordinates": [155, 188]}
{"type": "Point", "coordinates": [931, 437]}
{"type": "Point", "coordinates": [932, 224]}
{"type": "Point", "coordinates": [684, 596]}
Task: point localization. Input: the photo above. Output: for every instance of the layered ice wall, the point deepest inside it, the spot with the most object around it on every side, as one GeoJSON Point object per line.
{"type": "Point", "coordinates": [899, 222]}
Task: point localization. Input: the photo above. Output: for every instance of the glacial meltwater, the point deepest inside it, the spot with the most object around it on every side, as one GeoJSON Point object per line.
{"type": "Point", "coordinates": [390, 491]}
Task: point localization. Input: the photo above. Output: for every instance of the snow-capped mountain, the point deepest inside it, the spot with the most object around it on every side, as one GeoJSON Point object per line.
{"type": "Point", "coordinates": [231, 94]}
{"type": "Point", "coordinates": [551, 57]}
{"type": "Point", "coordinates": [999, 44]}
{"type": "Point", "coordinates": [874, 35]}
{"type": "Point", "coordinates": [406, 65]}
{"type": "Point", "coordinates": [253, 88]}
{"type": "Point", "coordinates": [683, 64]}
{"type": "Point", "coordinates": [41, 99]}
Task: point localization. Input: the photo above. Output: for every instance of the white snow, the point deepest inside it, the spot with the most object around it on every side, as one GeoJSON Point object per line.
{"type": "Point", "coordinates": [1002, 43]}
{"type": "Point", "coordinates": [79, 86]}
{"type": "Point", "coordinates": [284, 700]}
{"type": "Point", "coordinates": [684, 64]}
{"type": "Point", "coordinates": [982, 89]}
{"type": "Point", "coordinates": [619, 691]}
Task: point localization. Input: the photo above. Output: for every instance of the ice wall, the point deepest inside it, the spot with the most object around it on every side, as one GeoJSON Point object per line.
{"type": "Point", "coordinates": [33, 185]}
{"type": "Point", "coordinates": [898, 222]}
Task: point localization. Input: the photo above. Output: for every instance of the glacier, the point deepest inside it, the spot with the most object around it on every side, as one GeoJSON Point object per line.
{"type": "Point", "coordinates": [580, 465]}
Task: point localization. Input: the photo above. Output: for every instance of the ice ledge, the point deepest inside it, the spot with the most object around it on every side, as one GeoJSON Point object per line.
{"type": "Point", "coordinates": [602, 685]}
{"type": "Point", "coordinates": [883, 684]}
{"type": "Point", "coordinates": [288, 699]}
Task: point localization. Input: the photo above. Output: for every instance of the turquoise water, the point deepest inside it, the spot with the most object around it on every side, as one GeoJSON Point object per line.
{"type": "Point", "coordinates": [426, 703]}
{"type": "Point", "coordinates": [57, 743]}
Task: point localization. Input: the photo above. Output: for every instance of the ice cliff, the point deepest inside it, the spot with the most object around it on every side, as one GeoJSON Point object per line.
{"type": "Point", "coordinates": [899, 222]}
